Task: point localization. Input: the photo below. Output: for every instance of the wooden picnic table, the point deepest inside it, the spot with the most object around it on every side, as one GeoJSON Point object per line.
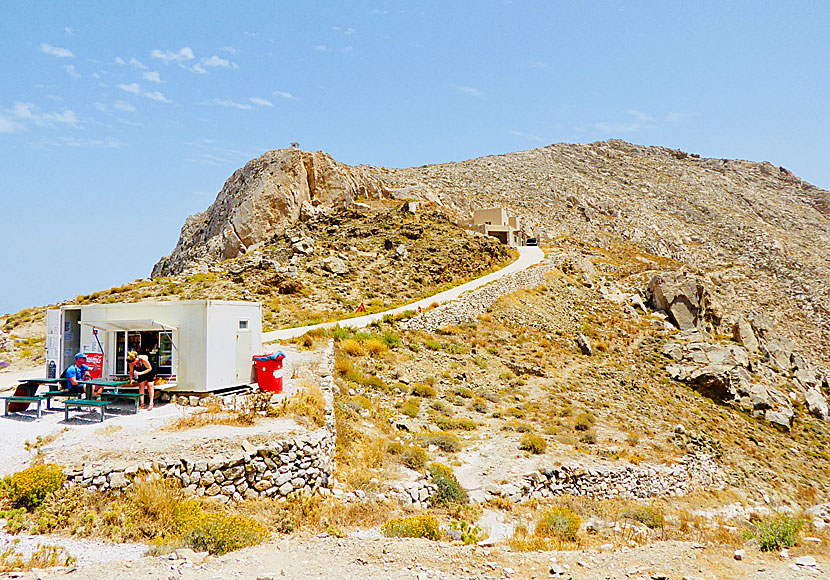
{"type": "Point", "coordinates": [30, 386]}
{"type": "Point", "coordinates": [115, 385]}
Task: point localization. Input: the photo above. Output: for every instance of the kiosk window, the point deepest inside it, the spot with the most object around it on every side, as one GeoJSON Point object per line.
{"type": "Point", "coordinates": [243, 325]}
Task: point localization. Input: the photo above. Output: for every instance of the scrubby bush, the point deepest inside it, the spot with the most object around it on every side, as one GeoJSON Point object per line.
{"type": "Point", "coordinates": [465, 392]}
{"type": "Point", "coordinates": [583, 422]}
{"type": "Point", "coordinates": [449, 490]}
{"type": "Point", "coordinates": [375, 347]}
{"type": "Point", "coordinates": [588, 438]}
{"type": "Point", "coordinates": [533, 443]}
{"type": "Point", "coordinates": [352, 347]}
{"type": "Point", "coordinates": [479, 406]}
{"type": "Point", "coordinates": [559, 523]}
{"type": "Point", "coordinates": [414, 457]}
{"type": "Point", "coordinates": [28, 488]}
{"type": "Point", "coordinates": [649, 516]}
{"type": "Point", "coordinates": [446, 442]}
{"type": "Point", "coordinates": [776, 532]}
{"type": "Point", "coordinates": [464, 531]}
{"type": "Point", "coordinates": [465, 424]}
{"type": "Point", "coordinates": [423, 390]}
{"type": "Point", "coordinates": [220, 533]}
{"type": "Point", "coordinates": [411, 407]}
{"type": "Point", "coordinates": [413, 527]}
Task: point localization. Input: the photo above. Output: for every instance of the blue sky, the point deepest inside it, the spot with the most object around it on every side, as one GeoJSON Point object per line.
{"type": "Point", "coordinates": [118, 120]}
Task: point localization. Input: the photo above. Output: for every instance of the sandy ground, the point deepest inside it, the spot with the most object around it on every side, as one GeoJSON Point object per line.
{"type": "Point", "coordinates": [124, 436]}
{"type": "Point", "coordinates": [382, 558]}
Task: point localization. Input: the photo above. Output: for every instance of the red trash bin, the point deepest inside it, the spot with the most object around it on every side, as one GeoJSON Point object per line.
{"type": "Point", "coordinates": [269, 371]}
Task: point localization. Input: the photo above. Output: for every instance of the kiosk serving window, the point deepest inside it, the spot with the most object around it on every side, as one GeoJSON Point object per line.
{"type": "Point", "coordinates": [156, 344]}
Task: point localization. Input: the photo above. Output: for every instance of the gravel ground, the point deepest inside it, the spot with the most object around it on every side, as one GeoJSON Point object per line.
{"type": "Point", "coordinates": [413, 559]}
{"type": "Point", "coordinates": [86, 552]}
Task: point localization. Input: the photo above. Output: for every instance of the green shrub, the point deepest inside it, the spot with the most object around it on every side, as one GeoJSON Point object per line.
{"type": "Point", "coordinates": [449, 490]}
{"type": "Point", "coordinates": [28, 488]}
{"type": "Point", "coordinates": [649, 516]}
{"type": "Point", "coordinates": [515, 412]}
{"type": "Point", "coordinates": [479, 406]}
{"type": "Point", "coordinates": [220, 533]}
{"type": "Point", "coordinates": [465, 392]}
{"type": "Point", "coordinates": [583, 422]}
{"type": "Point", "coordinates": [411, 407]}
{"type": "Point", "coordinates": [776, 532]}
{"type": "Point", "coordinates": [413, 527]}
{"type": "Point", "coordinates": [588, 438]}
{"type": "Point", "coordinates": [443, 422]}
{"type": "Point", "coordinates": [446, 442]}
{"type": "Point", "coordinates": [414, 457]}
{"type": "Point", "coordinates": [533, 443]}
{"type": "Point", "coordinates": [560, 523]}
{"type": "Point", "coordinates": [465, 531]}
{"type": "Point", "coordinates": [423, 390]}
{"type": "Point", "coordinates": [465, 424]}
{"type": "Point", "coordinates": [440, 406]}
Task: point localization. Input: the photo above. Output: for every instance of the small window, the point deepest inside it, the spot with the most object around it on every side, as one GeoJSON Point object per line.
{"type": "Point", "coordinates": [243, 325]}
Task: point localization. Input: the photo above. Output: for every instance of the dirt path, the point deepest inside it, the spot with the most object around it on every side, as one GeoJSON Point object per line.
{"type": "Point", "coordinates": [387, 559]}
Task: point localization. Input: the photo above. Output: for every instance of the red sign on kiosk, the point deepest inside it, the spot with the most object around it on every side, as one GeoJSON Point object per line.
{"type": "Point", "coordinates": [95, 362]}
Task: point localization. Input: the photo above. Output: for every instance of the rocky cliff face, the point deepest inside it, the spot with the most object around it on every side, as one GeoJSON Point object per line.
{"type": "Point", "coordinates": [274, 190]}
{"type": "Point", "coordinates": [759, 235]}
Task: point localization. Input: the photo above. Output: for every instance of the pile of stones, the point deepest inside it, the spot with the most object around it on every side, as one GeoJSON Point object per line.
{"type": "Point", "coordinates": [414, 493]}
{"type": "Point", "coordinates": [468, 306]}
{"type": "Point", "coordinates": [694, 471]}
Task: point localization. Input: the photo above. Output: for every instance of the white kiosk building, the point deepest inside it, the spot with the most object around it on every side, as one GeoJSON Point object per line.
{"type": "Point", "coordinates": [196, 345]}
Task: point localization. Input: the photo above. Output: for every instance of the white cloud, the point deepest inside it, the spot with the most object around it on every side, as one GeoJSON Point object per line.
{"type": "Point", "coordinates": [283, 94]}
{"type": "Point", "coordinates": [72, 71]}
{"type": "Point", "coordinates": [182, 55]}
{"type": "Point", "coordinates": [68, 30]}
{"type": "Point", "coordinates": [18, 116]}
{"type": "Point", "coordinates": [123, 106]}
{"type": "Point", "coordinates": [130, 88]}
{"type": "Point", "coordinates": [378, 12]}
{"type": "Point", "coordinates": [108, 143]}
{"type": "Point", "coordinates": [230, 50]}
{"type": "Point", "coordinates": [135, 89]}
{"type": "Point", "coordinates": [197, 68]}
{"type": "Point", "coordinates": [218, 61]}
{"type": "Point", "coordinates": [157, 96]}
{"type": "Point", "coordinates": [638, 121]}
{"type": "Point", "coordinates": [346, 31]}
{"type": "Point", "coordinates": [470, 91]}
{"type": "Point", "coordinates": [321, 48]}
{"type": "Point", "coordinates": [231, 104]}
{"type": "Point", "coordinates": [153, 77]}
{"type": "Point", "coordinates": [56, 51]}
{"type": "Point", "coordinates": [137, 63]}
{"type": "Point", "coordinates": [119, 60]}
{"type": "Point", "coordinates": [527, 136]}
{"type": "Point", "coordinates": [8, 126]}
{"type": "Point", "coordinates": [261, 102]}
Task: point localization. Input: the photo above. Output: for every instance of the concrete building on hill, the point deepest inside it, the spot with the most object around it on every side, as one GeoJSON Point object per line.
{"type": "Point", "coordinates": [496, 222]}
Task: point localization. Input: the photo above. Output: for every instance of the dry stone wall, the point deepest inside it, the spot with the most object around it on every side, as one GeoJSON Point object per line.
{"type": "Point", "coordinates": [303, 464]}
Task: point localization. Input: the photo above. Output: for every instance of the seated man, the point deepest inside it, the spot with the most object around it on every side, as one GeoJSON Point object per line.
{"type": "Point", "coordinates": [77, 373]}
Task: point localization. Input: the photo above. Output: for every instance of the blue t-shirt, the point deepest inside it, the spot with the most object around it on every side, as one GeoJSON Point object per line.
{"type": "Point", "coordinates": [77, 371]}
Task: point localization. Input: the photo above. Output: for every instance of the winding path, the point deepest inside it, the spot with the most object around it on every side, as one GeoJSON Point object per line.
{"type": "Point", "coordinates": [528, 256]}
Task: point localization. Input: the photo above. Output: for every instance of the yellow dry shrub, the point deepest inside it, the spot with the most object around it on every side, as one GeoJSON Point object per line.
{"type": "Point", "coordinates": [413, 527]}
{"type": "Point", "coordinates": [28, 488]}
{"type": "Point", "coordinates": [375, 347]}
{"type": "Point", "coordinates": [352, 347]}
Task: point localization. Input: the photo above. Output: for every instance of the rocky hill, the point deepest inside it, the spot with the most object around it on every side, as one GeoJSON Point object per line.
{"type": "Point", "coordinates": [756, 233]}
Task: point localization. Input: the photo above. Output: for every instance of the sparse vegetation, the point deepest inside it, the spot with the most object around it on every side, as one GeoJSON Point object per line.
{"type": "Point", "coordinates": [533, 443]}
{"type": "Point", "coordinates": [775, 532]}
{"type": "Point", "coordinates": [424, 526]}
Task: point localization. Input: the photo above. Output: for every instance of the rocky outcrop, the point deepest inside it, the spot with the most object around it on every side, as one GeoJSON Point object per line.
{"type": "Point", "coordinates": [271, 192]}
{"type": "Point", "coordinates": [682, 297]}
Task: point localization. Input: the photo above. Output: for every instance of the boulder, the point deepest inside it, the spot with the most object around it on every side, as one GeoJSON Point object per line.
{"type": "Point", "coordinates": [816, 404]}
{"type": "Point", "coordinates": [682, 296]}
{"type": "Point", "coordinates": [781, 417]}
{"type": "Point", "coordinates": [743, 334]}
{"type": "Point", "coordinates": [761, 324]}
{"type": "Point", "coordinates": [335, 266]}
{"type": "Point", "coordinates": [584, 344]}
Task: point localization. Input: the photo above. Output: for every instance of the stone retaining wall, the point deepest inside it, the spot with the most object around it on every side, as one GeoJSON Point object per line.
{"type": "Point", "coordinates": [468, 306]}
{"type": "Point", "coordinates": [303, 464]}
{"type": "Point", "coordinates": [696, 471]}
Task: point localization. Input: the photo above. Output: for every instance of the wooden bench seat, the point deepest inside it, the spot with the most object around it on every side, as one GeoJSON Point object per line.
{"type": "Point", "coordinates": [80, 403]}
{"type": "Point", "coordinates": [19, 399]}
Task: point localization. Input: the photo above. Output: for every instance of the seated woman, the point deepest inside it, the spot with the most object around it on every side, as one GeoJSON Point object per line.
{"type": "Point", "coordinates": [143, 373]}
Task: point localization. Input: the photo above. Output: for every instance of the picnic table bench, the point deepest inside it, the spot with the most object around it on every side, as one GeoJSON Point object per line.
{"type": "Point", "coordinates": [81, 403]}
{"type": "Point", "coordinates": [23, 399]}
{"type": "Point", "coordinates": [118, 394]}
